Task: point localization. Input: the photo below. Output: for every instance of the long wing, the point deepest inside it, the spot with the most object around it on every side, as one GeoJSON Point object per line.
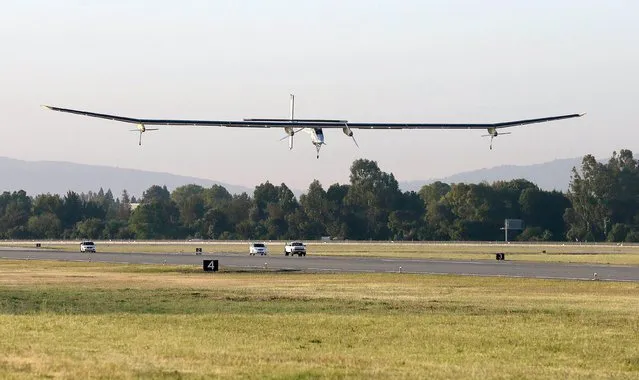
{"type": "Point", "coordinates": [504, 124]}
{"type": "Point", "coordinates": [310, 123]}
{"type": "Point", "coordinates": [210, 123]}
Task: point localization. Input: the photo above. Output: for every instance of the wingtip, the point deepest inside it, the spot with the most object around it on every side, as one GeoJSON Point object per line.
{"type": "Point", "coordinates": [582, 114]}
{"type": "Point", "coordinates": [47, 107]}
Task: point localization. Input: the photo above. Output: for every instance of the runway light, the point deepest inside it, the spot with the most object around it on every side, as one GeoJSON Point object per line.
{"type": "Point", "coordinates": [400, 269]}
{"type": "Point", "coordinates": [265, 265]}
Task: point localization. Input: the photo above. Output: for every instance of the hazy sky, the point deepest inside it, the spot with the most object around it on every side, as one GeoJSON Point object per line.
{"type": "Point", "coordinates": [390, 61]}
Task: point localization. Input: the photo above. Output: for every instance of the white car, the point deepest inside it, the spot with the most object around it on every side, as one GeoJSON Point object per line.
{"type": "Point", "coordinates": [87, 246]}
{"type": "Point", "coordinates": [258, 249]}
{"type": "Point", "coordinates": [295, 248]}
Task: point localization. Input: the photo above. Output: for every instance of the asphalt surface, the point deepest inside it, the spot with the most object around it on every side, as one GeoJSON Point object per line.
{"type": "Point", "coordinates": [349, 264]}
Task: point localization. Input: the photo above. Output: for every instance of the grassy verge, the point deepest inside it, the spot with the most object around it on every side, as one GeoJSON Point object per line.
{"type": "Point", "coordinates": [566, 253]}
{"type": "Point", "coordinates": [78, 320]}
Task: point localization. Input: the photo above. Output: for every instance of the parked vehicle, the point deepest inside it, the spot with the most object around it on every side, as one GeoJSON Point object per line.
{"type": "Point", "coordinates": [295, 248]}
{"type": "Point", "coordinates": [258, 249]}
{"type": "Point", "coordinates": [87, 246]}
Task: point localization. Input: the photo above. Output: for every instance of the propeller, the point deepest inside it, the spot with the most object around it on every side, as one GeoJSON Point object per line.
{"type": "Point", "coordinates": [290, 138]}
{"type": "Point", "coordinates": [493, 135]}
{"type": "Point", "coordinates": [348, 132]}
{"type": "Point", "coordinates": [355, 141]}
{"type": "Point", "coordinates": [141, 130]}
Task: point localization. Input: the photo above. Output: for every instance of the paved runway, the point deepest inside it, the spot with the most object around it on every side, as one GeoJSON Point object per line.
{"type": "Point", "coordinates": [350, 264]}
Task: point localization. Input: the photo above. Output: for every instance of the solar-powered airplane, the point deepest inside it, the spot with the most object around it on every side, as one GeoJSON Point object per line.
{"type": "Point", "coordinates": [315, 127]}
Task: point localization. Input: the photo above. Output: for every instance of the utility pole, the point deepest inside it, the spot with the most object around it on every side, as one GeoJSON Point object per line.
{"type": "Point", "coordinates": [506, 231]}
{"type": "Point", "coordinates": [505, 228]}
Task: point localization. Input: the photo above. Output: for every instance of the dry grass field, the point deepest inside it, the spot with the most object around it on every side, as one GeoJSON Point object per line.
{"type": "Point", "coordinates": [90, 320]}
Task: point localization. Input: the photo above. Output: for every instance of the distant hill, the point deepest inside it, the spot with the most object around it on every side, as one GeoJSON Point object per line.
{"type": "Point", "coordinates": [553, 175]}
{"type": "Point", "coordinates": [40, 177]}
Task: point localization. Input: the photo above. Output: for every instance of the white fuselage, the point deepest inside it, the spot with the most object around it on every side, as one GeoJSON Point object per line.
{"type": "Point", "coordinates": [317, 135]}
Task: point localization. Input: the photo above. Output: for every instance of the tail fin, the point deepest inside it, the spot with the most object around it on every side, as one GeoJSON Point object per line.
{"type": "Point", "coordinates": [292, 107]}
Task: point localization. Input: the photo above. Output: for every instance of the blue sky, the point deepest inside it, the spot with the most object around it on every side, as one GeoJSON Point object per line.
{"type": "Point", "coordinates": [413, 61]}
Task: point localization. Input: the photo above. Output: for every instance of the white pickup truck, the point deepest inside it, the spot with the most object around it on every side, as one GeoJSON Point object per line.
{"type": "Point", "coordinates": [295, 248]}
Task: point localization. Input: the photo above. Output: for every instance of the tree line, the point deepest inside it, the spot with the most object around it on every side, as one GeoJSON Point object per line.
{"type": "Point", "coordinates": [602, 204]}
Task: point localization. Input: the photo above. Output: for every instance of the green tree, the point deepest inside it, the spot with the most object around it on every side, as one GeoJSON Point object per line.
{"type": "Point", "coordinates": [117, 229]}
{"type": "Point", "coordinates": [316, 213]}
{"type": "Point", "coordinates": [506, 197]}
{"type": "Point", "coordinates": [263, 195]}
{"type": "Point", "coordinates": [535, 234]}
{"type": "Point", "coordinates": [544, 209]}
{"type": "Point", "coordinates": [272, 207]}
{"type": "Point", "coordinates": [215, 224]}
{"type": "Point", "coordinates": [433, 192]}
{"type": "Point", "coordinates": [47, 203]}
{"type": "Point", "coordinates": [89, 228]}
{"type": "Point", "coordinates": [237, 211]}
{"type": "Point", "coordinates": [190, 203]}
{"type": "Point", "coordinates": [473, 207]}
{"type": "Point", "coordinates": [439, 221]}
{"type": "Point", "coordinates": [618, 232]}
{"type": "Point", "coordinates": [217, 197]}
{"type": "Point", "coordinates": [71, 211]}
{"type": "Point", "coordinates": [437, 216]}
{"type": "Point", "coordinates": [157, 217]}
{"type": "Point", "coordinates": [15, 210]}
{"type": "Point", "coordinates": [406, 222]}
{"type": "Point", "coordinates": [603, 195]}
{"type": "Point", "coordinates": [156, 194]}
{"type": "Point", "coordinates": [44, 226]}
{"type": "Point", "coordinates": [336, 224]}
{"type": "Point", "coordinates": [371, 197]}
